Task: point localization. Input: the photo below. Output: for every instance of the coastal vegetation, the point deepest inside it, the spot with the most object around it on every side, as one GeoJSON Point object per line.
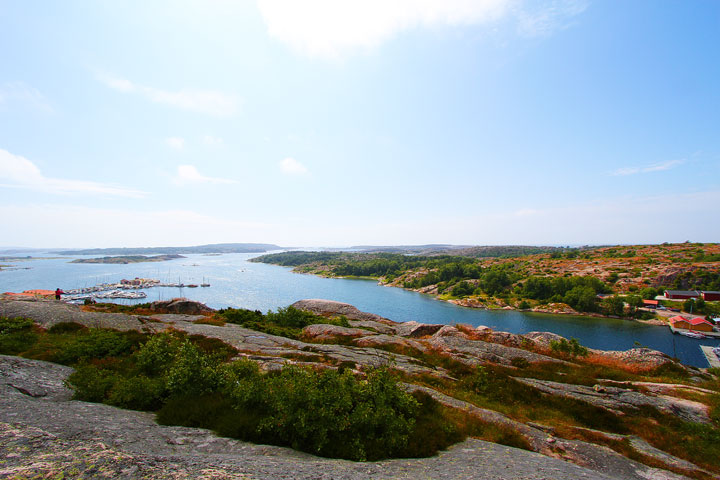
{"type": "Point", "coordinates": [343, 407]}
{"type": "Point", "coordinates": [602, 280]}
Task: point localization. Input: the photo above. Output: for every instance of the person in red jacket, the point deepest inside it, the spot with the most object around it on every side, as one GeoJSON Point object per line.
{"type": "Point", "coordinates": [58, 292]}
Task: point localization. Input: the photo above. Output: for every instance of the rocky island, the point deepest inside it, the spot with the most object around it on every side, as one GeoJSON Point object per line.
{"type": "Point", "coordinates": [527, 406]}
{"type": "Point", "coordinates": [125, 259]}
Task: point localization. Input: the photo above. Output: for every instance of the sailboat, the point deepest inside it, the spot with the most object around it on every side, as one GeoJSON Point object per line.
{"type": "Point", "coordinates": [204, 283]}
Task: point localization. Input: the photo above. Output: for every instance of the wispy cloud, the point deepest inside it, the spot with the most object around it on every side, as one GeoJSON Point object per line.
{"type": "Point", "coordinates": [19, 172]}
{"type": "Point", "coordinates": [188, 174]}
{"type": "Point", "coordinates": [542, 19]}
{"type": "Point", "coordinates": [329, 28]}
{"type": "Point", "coordinates": [23, 94]}
{"type": "Point", "coordinates": [290, 166]}
{"type": "Point", "coordinates": [210, 102]}
{"type": "Point", "coordinates": [176, 143]}
{"type": "Point", "coordinates": [656, 167]}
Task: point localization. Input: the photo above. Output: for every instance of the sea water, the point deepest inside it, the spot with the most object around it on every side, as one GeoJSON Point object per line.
{"type": "Point", "coordinates": [236, 282]}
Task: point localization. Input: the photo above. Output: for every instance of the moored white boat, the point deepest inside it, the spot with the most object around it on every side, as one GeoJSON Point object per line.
{"type": "Point", "coordinates": [691, 334]}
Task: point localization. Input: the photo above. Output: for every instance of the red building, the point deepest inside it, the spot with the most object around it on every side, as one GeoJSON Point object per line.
{"type": "Point", "coordinates": [681, 294]}
{"type": "Point", "coordinates": [698, 324]}
{"type": "Point", "coordinates": [651, 303]}
{"type": "Point", "coordinates": [710, 296]}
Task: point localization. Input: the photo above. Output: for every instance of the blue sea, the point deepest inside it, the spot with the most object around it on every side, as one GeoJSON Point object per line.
{"type": "Point", "coordinates": [235, 282]}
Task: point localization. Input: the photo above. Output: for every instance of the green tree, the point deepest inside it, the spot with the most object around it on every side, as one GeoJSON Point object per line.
{"type": "Point", "coordinates": [613, 305]}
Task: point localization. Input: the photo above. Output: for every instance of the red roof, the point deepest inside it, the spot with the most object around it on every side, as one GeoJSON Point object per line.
{"type": "Point", "coordinates": [691, 321]}
{"type": "Point", "coordinates": [651, 302]}
{"type": "Point", "coordinates": [698, 321]}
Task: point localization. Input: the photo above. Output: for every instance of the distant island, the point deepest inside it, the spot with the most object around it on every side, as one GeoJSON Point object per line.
{"type": "Point", "coordinates": [129, 259]}
{"type": "Point", "coordinates": [212, 248]}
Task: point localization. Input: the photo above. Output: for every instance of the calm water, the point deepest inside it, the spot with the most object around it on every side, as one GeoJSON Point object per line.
{"type": "Point", "coordinates": [239, 283]}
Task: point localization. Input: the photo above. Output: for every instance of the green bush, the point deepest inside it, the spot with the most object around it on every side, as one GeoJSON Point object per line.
{"type": "Point", "coordinates": [519, 362]}
{"type": "Point", "coordinates": [66, 327]}
{"type": "Point", "coordinates": [14, 325]}
{"type": "Point", "coordinates": [191, 372]}
{"type": "Point", "coordinates": [286, 322]}
{"type": "Point", "coordinates": [16, 335]}
{"type": "Point", "coordinates": [336, 415]}
{"type": "Point", "coordinates": [432, 430]}
{"type": "Point", "coordinates": [137, 393]}
{"type": "Point", "coordinates": [571, 348]}
{"type": "Point", "coordinates": [157, 354]}
{"type": "Point", "coordinates": [95, 344]}
{"type": "Point", "coordinates": [92, 384]}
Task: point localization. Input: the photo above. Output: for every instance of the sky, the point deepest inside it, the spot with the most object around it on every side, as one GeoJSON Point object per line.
{"type": "Point", "coordinates": [374, 122]}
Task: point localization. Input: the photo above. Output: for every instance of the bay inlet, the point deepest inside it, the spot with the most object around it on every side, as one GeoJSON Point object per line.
{"type": "Point", "coordinates": [235, 282]}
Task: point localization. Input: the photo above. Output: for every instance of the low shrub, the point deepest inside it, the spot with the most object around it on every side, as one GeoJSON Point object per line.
{"type": "Point", "coordinates": [98, 343]}
{"type": "Point", "coordinates": [66, 327]}
{"type": "Point", "coordinates": [519, 362]}
{"type": "Point", "coordinates": [16, 335]}
{"type": "Point", "coordinates": [570, 348]}
{"type": "Point", "coordinates": [286, 322]}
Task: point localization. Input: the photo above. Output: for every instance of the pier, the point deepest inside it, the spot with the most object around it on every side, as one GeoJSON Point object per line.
{"type": "Point", "coordinates": [713, 334]}
{"type": "Point", "coordinates": [712, 359]}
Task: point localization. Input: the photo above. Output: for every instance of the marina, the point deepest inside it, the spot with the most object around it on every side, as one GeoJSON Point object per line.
{"type": "Point", "coordinates": [125, 289]}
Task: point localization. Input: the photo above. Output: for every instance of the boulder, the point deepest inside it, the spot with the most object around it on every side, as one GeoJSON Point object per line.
{"type": "Point", "coordinates": [543, 339]}
{"type": "Point", "coordinates": [449, 331]}
{"type": "Point", "coordinates": [471, 352]}
{"type": "Point", "coordinates": [380, 341]}
{"type": "Point", "coordinates": [506, 338]}
{"type": "Point", "coordinates": [641, 358]}
{"type": "Point", "coordinates": [323, 332]}
{"type": "Point", "coordinates": [331, 308]}
{"type": "Point", "coordinates": [415, 329]}
{"type": "Point", "coordinates": [616, 399]}
{"type": "Point", "coordinates": [180, 305]}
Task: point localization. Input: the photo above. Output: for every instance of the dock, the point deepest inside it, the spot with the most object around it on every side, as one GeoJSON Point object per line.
{"type": "Point", "coordinates": [711, 357]}
{"type": "Point", "coordinates": [713, 334]}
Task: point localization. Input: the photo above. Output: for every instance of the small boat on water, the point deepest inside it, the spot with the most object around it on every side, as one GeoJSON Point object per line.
{"type": "Point", "coordinates": [691, 334]}
{"type": "Point", "coordinates": [192, 285]}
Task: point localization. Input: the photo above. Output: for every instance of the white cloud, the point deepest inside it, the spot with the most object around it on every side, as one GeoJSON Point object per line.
{"type": "Point", "coordinates": [211, 102]}
{"type": "Point", "coordinates": [328, 28]}
{"type": "Point", "coordinates": [21, 93]}
{"type": "Point", "coordinates": [212, 141]}
{"type": "Point", "coordinates": [176, 143]}
{"type": "Point", "coordinates": [656, 167]}
{"type": "Point", "coordinates": [188, 174]}
{"type": "Point", "coordinates": [290, 166]}
{"type": "Point", "coordinates": [19, 172]}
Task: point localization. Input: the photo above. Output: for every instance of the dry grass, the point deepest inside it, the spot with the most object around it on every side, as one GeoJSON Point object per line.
{"type": "Point", "coordinates": [214, 320]}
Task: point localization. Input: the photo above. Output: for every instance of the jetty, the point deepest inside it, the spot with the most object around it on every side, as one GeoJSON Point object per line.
{"type": "Point", "coordinates": [711, 357]}
{"type": "Point", "coordinates": [713, 334]}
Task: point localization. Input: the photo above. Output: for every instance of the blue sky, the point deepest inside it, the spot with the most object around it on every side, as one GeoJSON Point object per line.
{"type": "Point", "coordinates": [335, 123]}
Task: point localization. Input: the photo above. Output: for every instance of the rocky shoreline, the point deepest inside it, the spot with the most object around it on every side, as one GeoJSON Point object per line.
{"type": "Point", "coordinates": [39, 420]}
{"type": "Point", "coordinates": [552, 309]}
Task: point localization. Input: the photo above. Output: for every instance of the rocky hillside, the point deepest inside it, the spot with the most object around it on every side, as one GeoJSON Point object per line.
{"type": "Point", "coordinates": [578, 413]}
